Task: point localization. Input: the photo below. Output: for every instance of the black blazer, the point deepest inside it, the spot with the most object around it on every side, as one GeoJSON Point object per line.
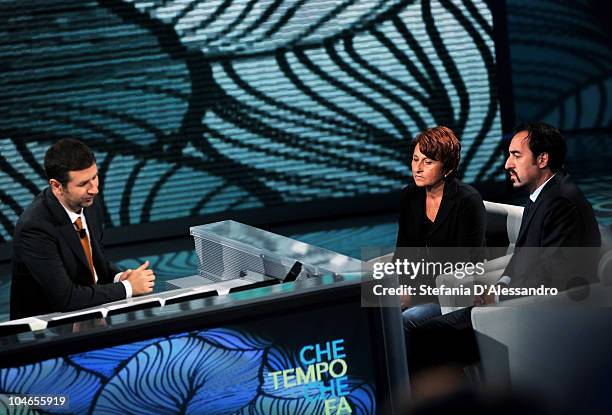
{"type": "Point", "coordinates": [560, 217]}
{"type": "Point", "coordinates": [50, 270]}
{"type": "Point", "coordinates": [460, 222]}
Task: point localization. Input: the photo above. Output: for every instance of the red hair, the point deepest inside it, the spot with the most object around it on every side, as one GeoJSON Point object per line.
{"type": "Point", "coordinates": [441, 144]}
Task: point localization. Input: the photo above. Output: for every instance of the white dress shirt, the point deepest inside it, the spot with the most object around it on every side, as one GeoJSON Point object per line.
{"type": "Point", "coordinates": [73, 217]}
{"type": "Point", "coordinates": [536, 192]}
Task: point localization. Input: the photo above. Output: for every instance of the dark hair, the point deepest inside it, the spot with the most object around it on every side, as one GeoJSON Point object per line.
{"type": "Point", "coordinates": [441, 144]}
{"type": "Point", "coordinates": [544, 138]}
{"type": "Point", "coordinates": [65, 156]}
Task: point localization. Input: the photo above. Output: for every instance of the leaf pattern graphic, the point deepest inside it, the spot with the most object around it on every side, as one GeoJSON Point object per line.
{"type": "Point", "coordinates": [201, 107]}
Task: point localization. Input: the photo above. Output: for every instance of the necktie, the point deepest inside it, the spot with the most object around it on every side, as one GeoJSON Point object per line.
{"type": "Point", "coordinates": [78, 224]}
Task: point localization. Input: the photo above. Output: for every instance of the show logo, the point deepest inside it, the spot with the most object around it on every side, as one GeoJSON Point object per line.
{"type": "Point", "coordinates": [322, 376]}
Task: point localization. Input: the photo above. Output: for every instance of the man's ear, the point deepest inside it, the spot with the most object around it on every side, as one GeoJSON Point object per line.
{"type": "Point", "coordinates": [542, 160]}
{"type": "Point", "coordinates": [55, 185]}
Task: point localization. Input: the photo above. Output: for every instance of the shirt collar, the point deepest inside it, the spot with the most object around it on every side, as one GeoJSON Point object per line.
{"type": "Point", "coordinates": [536, 193]}
{"type": "Point", "coordinates": [74, 216]}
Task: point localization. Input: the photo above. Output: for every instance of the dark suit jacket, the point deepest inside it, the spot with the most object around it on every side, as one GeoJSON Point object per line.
{"type": "Point", "coordinates": [460, 224]}
{"type": "Point", "coordinates": [461, 220]}
{"type": "Point", "coordinates": [561, 218]}
{"type": "Point", "coordinates": [50, 270]}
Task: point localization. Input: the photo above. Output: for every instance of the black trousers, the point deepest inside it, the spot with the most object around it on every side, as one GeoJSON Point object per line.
{"type": "Point", "coordinates": [442, 340]}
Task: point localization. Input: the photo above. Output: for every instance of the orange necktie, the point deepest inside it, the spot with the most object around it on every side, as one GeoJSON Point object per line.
{"type": "Point", "coordinates": [78, 224]}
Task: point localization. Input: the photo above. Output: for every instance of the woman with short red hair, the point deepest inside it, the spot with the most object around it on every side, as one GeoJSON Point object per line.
{"type": "Point", "coordinates": [438, 210]}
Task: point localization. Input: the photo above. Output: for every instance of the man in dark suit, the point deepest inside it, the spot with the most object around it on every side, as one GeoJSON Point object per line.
{"type": "Point", "coordinates": [556, 217]}
{"type": "Point", "coordinates": [58, 258]}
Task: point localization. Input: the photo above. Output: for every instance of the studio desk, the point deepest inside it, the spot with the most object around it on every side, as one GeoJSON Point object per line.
{"type": "Point", "coordinates": [269, 325]}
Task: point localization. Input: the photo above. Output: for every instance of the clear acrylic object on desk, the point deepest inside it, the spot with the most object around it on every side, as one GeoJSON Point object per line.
{"type": "Point", "coordinates": [229, 249]}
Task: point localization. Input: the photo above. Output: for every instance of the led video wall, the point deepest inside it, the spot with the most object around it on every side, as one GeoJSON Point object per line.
{"type": "Point", "coordinates": [562, 62]}
{"type": "Point", "coordinates": [201, 107]}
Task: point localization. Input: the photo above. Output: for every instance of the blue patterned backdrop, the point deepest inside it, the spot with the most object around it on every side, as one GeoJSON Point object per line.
{"type": "Point", "coordinates": [561, 54]}
{"type": "Point", "coordinates": [216, 371]}
{"type": "Point", "coordinates": [197, 107]}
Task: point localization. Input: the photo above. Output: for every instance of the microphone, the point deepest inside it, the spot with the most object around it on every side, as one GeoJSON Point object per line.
{"type": "Point", "coordinates": [82, 233]}
{"type": "Point", "coordinates": [294, 272]}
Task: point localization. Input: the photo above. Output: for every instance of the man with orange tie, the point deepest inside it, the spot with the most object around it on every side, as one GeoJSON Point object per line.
{"type": "Point", "coordinates": [58, 258]}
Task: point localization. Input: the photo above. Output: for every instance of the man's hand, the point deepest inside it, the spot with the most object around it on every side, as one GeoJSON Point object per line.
{"type": "Point", "coordinates": [405, 301]}
{"type": "Point", "coordinates": [484, 299]}
{"type": "Point", "coordinates": [141, 279]}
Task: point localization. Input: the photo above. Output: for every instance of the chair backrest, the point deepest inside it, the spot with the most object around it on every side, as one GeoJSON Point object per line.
{"type": "Point", "coordinates": [507, 218]}
{"type": "Point", "coordinates": [503, 218]}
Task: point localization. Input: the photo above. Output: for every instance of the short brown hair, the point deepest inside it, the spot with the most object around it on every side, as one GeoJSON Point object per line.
{"type": "Point", "coordinates": [441, 144]}
{"type": "Point", "coordinates": [65, 156]}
